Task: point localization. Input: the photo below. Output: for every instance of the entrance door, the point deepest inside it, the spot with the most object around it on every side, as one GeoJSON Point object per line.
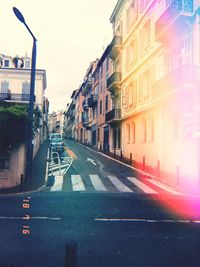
{"type": "Point", "coordinates": [94, 138]}
{"type": "Point", "coordinates": [106, 139]}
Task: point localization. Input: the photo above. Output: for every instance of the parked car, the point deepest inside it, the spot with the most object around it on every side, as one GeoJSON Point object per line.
{"type": "Point", "coordinates": [57, 144]}
{"type": "Point", "coordinates": [54, 135]}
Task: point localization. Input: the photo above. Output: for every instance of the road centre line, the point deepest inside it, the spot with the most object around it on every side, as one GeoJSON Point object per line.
{"type": "Point", "coordinates": [30, 218]}
{"type": "Point", "coordinates": [145, 220]}
{"type": "Point", "coordinates": [71, 153]}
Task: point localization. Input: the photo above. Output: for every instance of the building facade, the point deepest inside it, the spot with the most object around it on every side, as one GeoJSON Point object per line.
{"type": "Point", "coordinates": [157, 43]}
{"type": "Point", "coordinates": [15, 76]}
{"type": "Point", "coordinates": [148, 86]}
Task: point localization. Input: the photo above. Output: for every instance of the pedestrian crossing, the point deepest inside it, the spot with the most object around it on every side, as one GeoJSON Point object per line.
{"type": "Point", "coordinates": [110, 183]}
{"type": "Point", "coordinates": [77, 183]}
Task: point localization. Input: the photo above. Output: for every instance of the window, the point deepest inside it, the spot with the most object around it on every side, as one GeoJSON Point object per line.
{"type": "Point", "coordinates": [27, 64]}
{"type": "Point", "coordinates": [131, 95]}
{"type": "Point", "coordinates": [25, 91]}
{"type": "Point", "coordinates": [106, 103]}
{"type": "Point", "coordinates": [94, 112]}
{"type": "Point", "coordinates": [176, 126]}
{"type": "Point", "coordinates": [100, 107]}
{"type": "Point", "coordinates": [26, 88]}
{"type": "Point", "coordinates": [143, 4]}
{"type": "Point", "coordinates": [107, 64]}
{"type": "Point", "coordinates": [145, 36]}
{"type": "Point", "coordinates": [4, 87]}
{"type": "Point", "coordinates": [6, 63]}
{"type": "Point", "coordinates": [98, 135]}
{"type": "Point", "coordinates": [131, 14]}
{"type": "Point", "coordinates": [145, 83]}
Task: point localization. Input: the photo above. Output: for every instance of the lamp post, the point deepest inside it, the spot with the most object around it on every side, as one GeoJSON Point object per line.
{"type": "Point", "coordinates": [31, 102]}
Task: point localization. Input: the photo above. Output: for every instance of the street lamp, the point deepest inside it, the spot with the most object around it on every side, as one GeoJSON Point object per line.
{"type": "Point", "coordinates": [29, 159]}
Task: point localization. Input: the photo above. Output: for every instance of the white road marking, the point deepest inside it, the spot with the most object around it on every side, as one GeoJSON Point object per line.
{"type": "Point", "coordinates": [165, 187]}
{"type": "Point", "coordinates": [118, 184]}
{"type": "Point", "coordinates": [145, 220]}
{"type": "Point", "coordinates": [58, 183]}
{"type": "Point", "coordinates": [34, 218]}
{"type": "Point", "coordinates": [97, 183]}
{"type": "Point", "coordinates": [142, 186]}
{"type": "Point", "coordinates": [77, 183]}
{"type": "Point", "coordinates": [92, 161]}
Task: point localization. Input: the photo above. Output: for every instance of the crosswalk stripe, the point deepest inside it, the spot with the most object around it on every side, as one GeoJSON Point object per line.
{"type": "Point", "coordinates": [97, 183]}
{"type": "Point", "coordinates": [165, 187]}
{"type": "Point", "coordinates": [58, 183]}
{"type": "Point", "coordinates": [142, 186]}
{"type": "Point", "coordinates": [118, 184]}
{"type": "Point", "coordinates": [77, 183]}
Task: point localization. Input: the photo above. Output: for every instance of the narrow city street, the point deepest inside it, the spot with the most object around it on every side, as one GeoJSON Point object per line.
{"type": "Point", "coordinates": [98, 220]}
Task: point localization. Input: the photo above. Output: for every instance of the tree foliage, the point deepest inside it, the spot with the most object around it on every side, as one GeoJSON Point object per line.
{"type": "Point", "coordinates": [14, 124]}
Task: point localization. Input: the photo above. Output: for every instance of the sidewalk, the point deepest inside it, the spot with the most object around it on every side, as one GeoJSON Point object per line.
{"type": "Point", "coordinates": [38, 173]}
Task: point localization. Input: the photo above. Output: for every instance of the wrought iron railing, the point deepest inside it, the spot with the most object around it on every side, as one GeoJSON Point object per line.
{"type": "Point", "coordinates": [14, 97]}
{"type": "Point", "coordinates": [114, 78]}
{"type": "Point", "coordinates": [114, 114]}
{"type": "Point", "coordinates": [176, 8]}
{"type": "Point", "coordinates": [184, 75]}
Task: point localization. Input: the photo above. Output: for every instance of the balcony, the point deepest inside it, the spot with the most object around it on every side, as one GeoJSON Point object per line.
{"type": "Point", "coordinates": [85, 104]}
{"type": "Point", "coordinates": [73, 104]}
{"type": "Point", "coordinates": [114, 82]}
{"type": "Point", "coordinates": [173, 20]}
{"type": "Point", "coordinates": [86, 120]}
{"type": "Point", "coordinates": [115, 46]}
{"type": "Point", "coordinates": [87, 85]}
{"type": "Point", "coordinates": [113, 117]}
{"type": "Point", "coordinates": [92, 101]}
{"type": "Point", "coordinates": [15, 97]}
{"type": "Point", "coordinates": [183, 77]}
{"type": "Point", "coordinates": [72, 115]}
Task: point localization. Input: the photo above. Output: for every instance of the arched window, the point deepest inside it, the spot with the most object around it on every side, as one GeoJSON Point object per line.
{"type": "Point", "coordinates": [151, 130]}
{"type": "Point", "coordinates": [128, 132]}
{"type": "Point", "coordinates": [133, 133]}
{"type": "Point", "coordinates": [144, 131]}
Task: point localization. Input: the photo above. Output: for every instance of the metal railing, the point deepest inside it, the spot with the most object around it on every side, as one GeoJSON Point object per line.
{"type": "Point", "coordinates": [114, 78]}
{"type": "Point", "coordinates": [176, 8]}
{"type": "Point", "coordinates": [114, 114]}
{"type": "Point", "coordinates": [14, 97]}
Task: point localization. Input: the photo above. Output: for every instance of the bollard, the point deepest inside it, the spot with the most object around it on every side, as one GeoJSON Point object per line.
{"type": "Point", "coordinates": [158, 169]}
{"type": "Point", "coordinates": [143, 165]}
{"type": "Point", "coordinates": [71, 253]}
{"type": "Point", "coordinates": [131, 158]}
{"type": "Point", "coordinates": [114, 153]}
{"type": "Point", "coordinates": [21, 182]}
{"type": "Point", "coordinates": [177, 175]}
{"type": "Point", "coordinates": [121, 155]}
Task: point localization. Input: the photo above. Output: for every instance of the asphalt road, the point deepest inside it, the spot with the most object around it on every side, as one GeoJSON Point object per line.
{"type": "Point", "coordinates": [109, 228]}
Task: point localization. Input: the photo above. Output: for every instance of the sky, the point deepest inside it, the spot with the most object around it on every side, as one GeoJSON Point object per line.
{"type": "Point", "coordinates": [70, 34]}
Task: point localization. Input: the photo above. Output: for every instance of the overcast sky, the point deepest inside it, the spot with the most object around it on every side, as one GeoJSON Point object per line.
{"type": "Point", "coordinates": [70, 35]}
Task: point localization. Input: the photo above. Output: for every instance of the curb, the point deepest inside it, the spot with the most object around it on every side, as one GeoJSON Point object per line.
{"type": "Point", "coordinates": [118, 161]}
{"type": "Point", "coordinates": [23, 193]}
{"type": "Point", "coordinates": [148, 175]}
